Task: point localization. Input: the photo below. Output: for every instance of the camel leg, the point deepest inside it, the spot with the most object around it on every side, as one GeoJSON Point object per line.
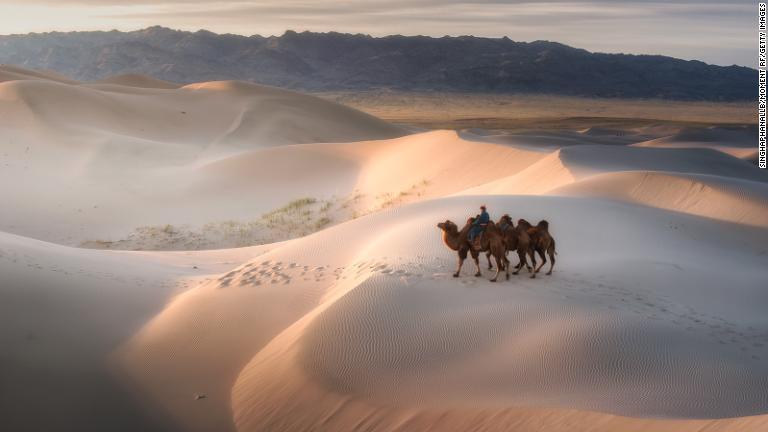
{"type": "Point", "coordinates": [476, 258]}
{"type": "Point", "coordinates": [506, 265]}
{"type": "Point", "coordinates": [551, 253]}
{"type": "Point", "coordinates": [462, 257]}
{"type": "Point", "coordinates": [458, 269]}
{"type": "Point", "coordinates": [532, 256]}
{"type": "Point", "coordinates": [543, 260]}
{"type": "Point", "coordinates": [499, 265]}
{"type": "Point", "coordinates": [521, 257]}
{"type": "Point", "coordinates": [488, 257]}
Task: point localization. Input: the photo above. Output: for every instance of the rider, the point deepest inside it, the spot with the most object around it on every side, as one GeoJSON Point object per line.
{"type": "Point", "coordinates": [504, 225]}
{"type": "Point", "coordinates": [479, 224]}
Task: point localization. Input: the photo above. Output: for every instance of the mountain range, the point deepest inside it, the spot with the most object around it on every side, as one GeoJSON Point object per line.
{"type": "Point", "coordinates": [337, 61]}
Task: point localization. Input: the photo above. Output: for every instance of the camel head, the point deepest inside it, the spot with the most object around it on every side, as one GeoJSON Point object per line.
{"type": "Point", "coordinates": [448, 226]}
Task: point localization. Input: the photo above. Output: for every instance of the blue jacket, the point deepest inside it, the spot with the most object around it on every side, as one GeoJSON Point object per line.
{"type": "Point", "coordinates": [483, 219]}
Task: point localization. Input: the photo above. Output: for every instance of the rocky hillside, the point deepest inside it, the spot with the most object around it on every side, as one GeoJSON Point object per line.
{"type": "Point", "coordinates": [335, 61]}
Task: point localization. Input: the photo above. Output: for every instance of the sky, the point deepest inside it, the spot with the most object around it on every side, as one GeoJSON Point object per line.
{"type": "Point", "coordinates": [719, 32]}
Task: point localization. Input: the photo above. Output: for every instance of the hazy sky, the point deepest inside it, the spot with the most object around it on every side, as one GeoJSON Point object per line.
{"type": "Point", "coordinates": [721, 32]}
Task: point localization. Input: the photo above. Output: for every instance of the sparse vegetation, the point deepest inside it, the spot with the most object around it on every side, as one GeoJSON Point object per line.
{"type": "Point", "coordinates": [391, 200]}
{"type": "Point", "coordinates": [354, 200]}
{"type": "Point", "coordinates": [322, 223]}
{"type": "Point", "coordinates": [327, 205]}
{"type": "Point", "coordinates": [292, 219]}
{"type": "Point", "coordinates": [299, 217]}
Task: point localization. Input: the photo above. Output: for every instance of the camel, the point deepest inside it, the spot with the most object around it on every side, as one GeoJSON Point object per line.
{"type": "Point", "coordinates": [514, 240]}
{"type": "Point", "coordinates": [541, 242]}
{"type": "Point", "coordinates": [491, 240]}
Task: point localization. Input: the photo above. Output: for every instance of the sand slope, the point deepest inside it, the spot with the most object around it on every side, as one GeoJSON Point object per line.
{"type": "Point", "coordinates": [735, 141]}
{"type": "Point", "coordinates": [369, 335]}
{"type": "Point", "coordinates": [223, 113]}
{"type": "Point", "coordinates": [116, 158]}
{"type": "Point", "coordinates": [723, 198]}
{"type": "Point", "coordinates": [578, 162]}
{"type": "Point", "coordinates": [13, 73]}
{"type": "Point", "coordinates": [654, 318]}
{"type": "Point", "coordinates": [63, 312]}
{"type": "Point", "coordinates": [366, 168]}
{"type": "Point", "coordinates": [701, 182]}
{"type": "Point", "coordinates": [138, 80]}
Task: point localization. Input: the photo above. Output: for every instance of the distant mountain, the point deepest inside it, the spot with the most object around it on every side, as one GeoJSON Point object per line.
{"type": "Point", "coordinates": [336, 61]}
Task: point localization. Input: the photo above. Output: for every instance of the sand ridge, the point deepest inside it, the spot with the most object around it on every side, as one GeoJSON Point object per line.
{"type": "Point", "coordinates": [735, 141]}
{"type": "Point", "coordinates": [138, 80]}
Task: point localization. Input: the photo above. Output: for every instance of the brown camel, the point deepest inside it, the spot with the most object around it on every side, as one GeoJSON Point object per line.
{"type": "Point", "coordinates": [514, 240]}
{"type": "Point", "coordinates": [541, 242]}
{"type": "Point", "coordinates": [491, 240]}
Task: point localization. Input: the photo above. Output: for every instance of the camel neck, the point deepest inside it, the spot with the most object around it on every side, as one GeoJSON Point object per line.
{"type": "Point", "coordinates": [451, 240]}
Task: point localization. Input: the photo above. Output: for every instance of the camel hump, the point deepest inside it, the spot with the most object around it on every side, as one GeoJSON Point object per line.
{"type": "Point", "coordinates": [543, 225]}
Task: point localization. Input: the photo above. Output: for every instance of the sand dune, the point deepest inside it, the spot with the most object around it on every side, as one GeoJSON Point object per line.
{"type": "Point", "coordinates": [210, 114]}
{"type": "Point", "coordinates": [362, 321]}
{"type": "Point", "coordinates": [115, 160]}
{"type": "Point", "coordinates": [573, 163]}
{"type": "Point", "coordinates": [138, 80]}
{"type": "Point", "coordinates": [551, 140]}
{"type": "Point", "coordinates": [366, 168]}
{"type": "Point", "coordinates": [700, 182]}
{"type": "Point", "coordinates": [585, 160]}
{"type": "Point", "coordinates": [654, 318]}
{"type": "Point", "coordinates": [737, 141]}
{"type": "Point", "coordinates": [729, 199]}
{"type": "Point", "coordinates": [12, 73]}
{"type": "Point", "coordinates": [387, 338]}
{"type": "Point", "coordinates": [64, 311]}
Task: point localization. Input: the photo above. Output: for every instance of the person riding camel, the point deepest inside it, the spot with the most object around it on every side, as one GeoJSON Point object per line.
{"type": "Point", "coordinates": [479, 224]}
{"type": "Point", "coordinates": [505, 222]}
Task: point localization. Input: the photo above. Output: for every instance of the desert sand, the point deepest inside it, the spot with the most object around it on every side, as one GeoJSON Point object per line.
{"type": "Point", "coordinates": [340, 313]}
